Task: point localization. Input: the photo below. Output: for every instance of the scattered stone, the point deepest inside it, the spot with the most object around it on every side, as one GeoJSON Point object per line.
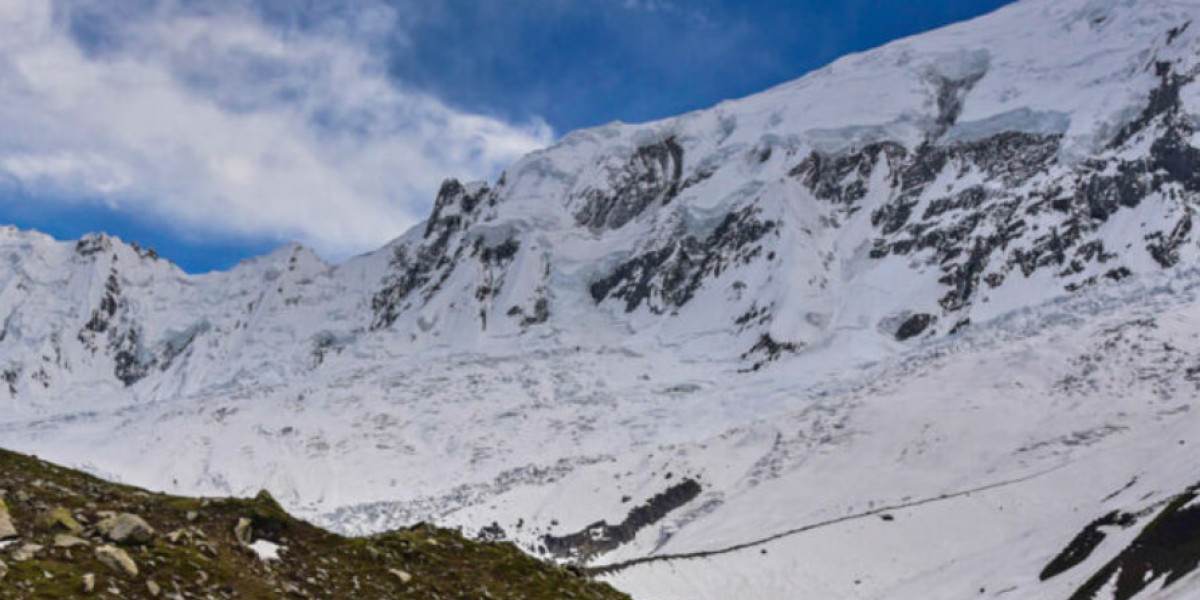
{"type": "Point", "coordinates": [242, 531]}
{"type": "Point", "coordinates": [26, 552]}
{"type": "Point", "coordinates": [59, 519]}
{"type": "Point", "coordinates": [89, 582]}
{"type": "Point", "coordinates": [403, 576]}
{"type": "Point", "coordinates": [192, 516]}
{"type": "Point", "coordinates": [3, 570]}
{"type": "Point", "coordinates": [152, 588]}
{"type": "Point", "coordinates": [66, 540]}
{"type": "Point", "coordinates": [126, 529]}
{"type": "Point", "coordinates": [7, 529]}
{"type": "Point", "coordinates": [116, 559]}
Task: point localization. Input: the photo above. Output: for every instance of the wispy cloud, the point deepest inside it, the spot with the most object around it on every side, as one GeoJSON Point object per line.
{"type": "Point", "coordinates": [219, 120]}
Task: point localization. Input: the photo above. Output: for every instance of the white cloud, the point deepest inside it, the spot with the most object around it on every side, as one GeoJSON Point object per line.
{"type": "Point", "coordinates": [221, 123]}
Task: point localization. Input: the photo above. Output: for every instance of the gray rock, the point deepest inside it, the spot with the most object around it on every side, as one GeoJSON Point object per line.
{"type": "Point", "coordinates": [242, 531]}
{"type": "Point", "coordinates": [60, 519]}
{"type": "Point", "coordinates": [26, 552]}
{"type": "Point", "coordinates": [66, 540]}
{"type": "Point", "coordinates": [116, 559]}
{"type": "Point", "coordinates": [126, 529]}
{"type": "Point", "coordinates": [3, 570]}
{"type": "Point", "coordinates": [153, 588]}
{"type": "Point", "coordinates": [89, 582]}
{"type": "Point", "coordinates": [7, 529]}
{"type": "Point", "coordinates": [403, 576]}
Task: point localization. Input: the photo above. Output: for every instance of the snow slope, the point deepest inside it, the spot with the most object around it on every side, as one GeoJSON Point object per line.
{"type": "Point", "coordinates": [904, 327]}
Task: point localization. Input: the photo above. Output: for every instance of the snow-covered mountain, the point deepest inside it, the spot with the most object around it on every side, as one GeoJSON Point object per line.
{"type": "Point", "coordinates": [921, 324]}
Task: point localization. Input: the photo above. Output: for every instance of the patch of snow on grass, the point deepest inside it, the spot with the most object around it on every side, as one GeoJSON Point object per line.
{"type": "Point", "coordinates": [266, 550]}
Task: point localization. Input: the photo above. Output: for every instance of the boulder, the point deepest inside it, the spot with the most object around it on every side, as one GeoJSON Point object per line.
{"type": "Point", "coordinates": [7, 529]}
{"type": "Point", "coordinates": [126, 529]}
{"type": "Point", "coordinates": [66, 540]}
{"type": "Point", "coordinates": [116, 559]}
{"type": "Point", "coordinates": [242, 531]}
{"type": "Point", "coordinates": [59, 520]}
{"type": "Point", "coordinates": [26, 552]}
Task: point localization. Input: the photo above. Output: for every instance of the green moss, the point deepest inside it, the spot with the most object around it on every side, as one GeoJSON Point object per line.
{"type": "Point", "coordinates": [58, 520]}
{"type": "Point", "coordinates": [208, 560]}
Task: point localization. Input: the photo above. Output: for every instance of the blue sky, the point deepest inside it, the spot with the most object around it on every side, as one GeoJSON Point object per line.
{"type": "Point", "coordinates": [214, 130]}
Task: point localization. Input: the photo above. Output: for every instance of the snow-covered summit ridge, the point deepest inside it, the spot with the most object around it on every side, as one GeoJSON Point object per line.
{"type": "Point", "coordinates": [918, 177]}
{"type": "Point", "coordinates": [905, 192]}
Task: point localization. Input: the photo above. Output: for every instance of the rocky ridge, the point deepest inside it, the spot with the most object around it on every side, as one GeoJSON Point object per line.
{"type": "Point", "coordinates": [67, 535]}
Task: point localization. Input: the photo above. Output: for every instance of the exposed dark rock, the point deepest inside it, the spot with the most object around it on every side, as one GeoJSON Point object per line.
{"type": "Point", "coordinates": [1166, 550]}
{"type": "Point", "coordinates": [492, 533]}
{"type": "Point", "coordinates": [148, 252]}
{"type": "Point", "coordinates": [131, 363]}
{"type": "Point", "coordinates": [601, 537]}
{"type": "Point", "coordinates": [826, 175]}
{"type": "Point", "coordinates": [433, 260]}
{"type": "Point", "coordinates": [10, 377]}
{"type": "Point", "coordinates": [1165, 248]}
{"type": "Point", "coordinates": [497, 255]}
{"type": "Point", "coordinates": [766, 350]}
{"type": "Point", "coordinates": [1174, 33]}
{"type": "Point", "coordinates": [667, 278]}
{"type": "Point", "coordinates": [914, 326]}
{"type": "Point", "coordinates": [93, 244]}
{"type": "Point", "coordinates": [1085, 543]}
{"type": "Point", "coordinates": [652, 176]}
{"type": "Point", "coordinates": [1164, 102]}
{"type": "Point", "coordinates": [176, 347]}
{"type": "Point", "coordinates": [541, 313]}
{"type": "Point", "coordinates": [971, 234]}
{"type": "Point", "coordinates": [1118, 274]}
{"type": "Point", "coordinates": [107, 309]}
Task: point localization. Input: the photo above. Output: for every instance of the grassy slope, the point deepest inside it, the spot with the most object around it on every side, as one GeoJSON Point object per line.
{"type": "Point", "coordinates": [211, 563]}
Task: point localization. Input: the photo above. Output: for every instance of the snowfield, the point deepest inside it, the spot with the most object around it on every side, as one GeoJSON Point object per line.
{"type": "Point", "coordinates": [921, 324]}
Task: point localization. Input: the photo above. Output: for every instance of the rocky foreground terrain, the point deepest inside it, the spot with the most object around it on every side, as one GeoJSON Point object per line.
{"type": "Point", "coordinates": [64, 534]}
